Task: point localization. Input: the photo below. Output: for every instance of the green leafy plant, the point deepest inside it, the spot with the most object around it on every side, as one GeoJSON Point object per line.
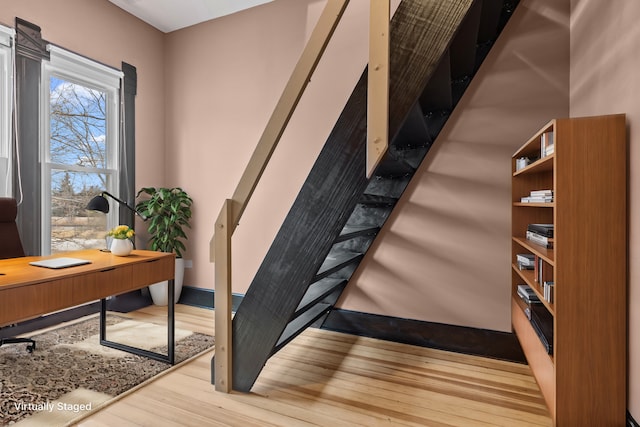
{"type": "Point", "coordinates": [168, 211]}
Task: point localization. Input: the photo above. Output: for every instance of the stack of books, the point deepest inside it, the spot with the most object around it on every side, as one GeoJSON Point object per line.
{"type": "Point", "coordinates": [538, 315]}
{"type": "Point", "coordinates": [525, 261]}
{"type": "Point", "coordinates": [538, 196]}
{"type": "Point", "coordinates": [528, 295]}
{"type": "Point", "coordinates": [540, 234]}
{"type": "Point", "coordinates": [542, 322]}
{"type": "Point", "coordinates": [548, 289]}
{"type": "Point", "coordinates": [546, 144]}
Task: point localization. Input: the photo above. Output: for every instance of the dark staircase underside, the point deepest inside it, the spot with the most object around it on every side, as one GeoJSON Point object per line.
{"type": "Point", "coordinates": [436, 47]}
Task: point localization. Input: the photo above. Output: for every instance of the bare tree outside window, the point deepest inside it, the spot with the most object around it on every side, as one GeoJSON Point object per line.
{"type": "Point", "coordinates": [78, 158]}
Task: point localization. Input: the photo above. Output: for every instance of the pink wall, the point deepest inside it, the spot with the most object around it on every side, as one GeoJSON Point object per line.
{"type": "Point", "coordinates": [605, 41]}
{"type": "Point", "coordinates": [104, 32]}
{"type": "Point", "coordinates": [224, 79]}
{"type": "Point", "coordinates": [244, 61]}
{"type": "Point", "coordinates": [219, 81]}
{"type": "Point", "coordinates": [444, 255]}
{"type": "Point", "coordinates": [206, 92]}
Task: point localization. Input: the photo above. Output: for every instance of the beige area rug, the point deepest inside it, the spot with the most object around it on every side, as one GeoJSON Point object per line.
{"type": "Point", "coordinates": [70, 374]}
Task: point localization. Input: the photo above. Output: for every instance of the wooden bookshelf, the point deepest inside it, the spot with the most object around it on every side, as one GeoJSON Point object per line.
{"type": "Point", "coordinates": [584, 380]}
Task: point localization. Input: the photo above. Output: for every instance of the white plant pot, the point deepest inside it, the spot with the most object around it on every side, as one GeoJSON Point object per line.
{"type": "Point", "coordinates": [159, 291]}
{"type": "Point", "coordinates": [121, 247]}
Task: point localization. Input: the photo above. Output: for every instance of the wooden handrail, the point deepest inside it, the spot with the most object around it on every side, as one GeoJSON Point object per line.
{"type": "Point", "coordinates": [232, 210]}
{"type": "Point", "coordinates": [287, 103]}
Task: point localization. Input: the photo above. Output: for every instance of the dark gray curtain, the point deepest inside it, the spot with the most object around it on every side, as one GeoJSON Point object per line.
{"type": "Point", "coordinates": [127, 161]}
{"type": "Point", "coordinates": [30, 51]}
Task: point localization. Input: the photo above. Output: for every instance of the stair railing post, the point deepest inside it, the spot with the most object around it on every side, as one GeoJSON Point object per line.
{"type": "Point", "coordinates": [378, 84]}
{"type": "Point", "coordinates": [223, 299]}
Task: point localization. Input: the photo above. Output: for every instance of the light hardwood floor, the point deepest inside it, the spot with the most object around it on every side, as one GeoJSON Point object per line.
{"type": "Point", "coordinates": [332, 379]}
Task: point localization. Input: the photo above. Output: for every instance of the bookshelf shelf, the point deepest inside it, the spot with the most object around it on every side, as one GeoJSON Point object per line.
{"type": "Point", "coordinates": [583, 161]}
{"type": "Point", "coordinates": [528, 277]}
{"type": "Point", "coordinates": [534, 205]}
{"type": "Point", "coordinates": [547, 254]}
{"type": "Point", "coordinates": [539, 166]}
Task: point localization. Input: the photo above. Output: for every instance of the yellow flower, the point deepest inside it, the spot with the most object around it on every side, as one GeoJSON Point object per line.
{"type": "Point", "coordinates": [121, 232]}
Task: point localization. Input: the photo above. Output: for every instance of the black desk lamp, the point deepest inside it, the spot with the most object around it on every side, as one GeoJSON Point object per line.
{"type": "Point", "coordinates": [101, 204]}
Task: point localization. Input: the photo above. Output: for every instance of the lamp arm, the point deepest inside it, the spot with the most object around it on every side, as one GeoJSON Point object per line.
{"type": "Point", "coordinates": [106, 193]}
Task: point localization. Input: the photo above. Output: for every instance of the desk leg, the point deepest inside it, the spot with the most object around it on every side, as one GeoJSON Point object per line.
{"type": "Point", "coordinates": [170, 356]}
{"type": "Point", "coordinates": [171, 321]}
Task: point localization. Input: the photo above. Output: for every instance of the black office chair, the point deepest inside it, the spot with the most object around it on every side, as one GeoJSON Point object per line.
{"type": "Point", "coordinates": [11, 247]}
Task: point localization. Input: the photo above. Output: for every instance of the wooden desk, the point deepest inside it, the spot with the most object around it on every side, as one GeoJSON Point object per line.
{"type": "Point", "coordinates": [28, 291]}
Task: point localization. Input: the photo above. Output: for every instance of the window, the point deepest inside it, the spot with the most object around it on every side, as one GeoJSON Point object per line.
{"type": "Point", "coordinates": [6, 101]}
{"type": "Point", "coordinates": [79, 149]}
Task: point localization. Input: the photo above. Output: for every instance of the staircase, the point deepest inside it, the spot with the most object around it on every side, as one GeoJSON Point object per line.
{"type": "Point", "coordinates": [436, 47]}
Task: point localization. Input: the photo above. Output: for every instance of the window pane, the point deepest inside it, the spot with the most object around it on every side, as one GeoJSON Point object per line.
{"type": "Point", "coordinates": [72, 226]}
{"type": "Point", "coordinates": [78, 124]}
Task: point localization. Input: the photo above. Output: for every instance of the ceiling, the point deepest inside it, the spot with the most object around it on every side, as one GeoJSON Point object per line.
{"type": "Point", "coordinates": [171, 15]}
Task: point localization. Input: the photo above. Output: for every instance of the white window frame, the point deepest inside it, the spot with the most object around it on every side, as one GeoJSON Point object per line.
{"type": "Point", "coordinates": [7, 37]}
{"type": "Point", "coordinates": [80, 70]}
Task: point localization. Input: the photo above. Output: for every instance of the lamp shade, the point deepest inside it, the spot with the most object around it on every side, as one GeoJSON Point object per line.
{"type": "Point", "coordinates": [99, 203]}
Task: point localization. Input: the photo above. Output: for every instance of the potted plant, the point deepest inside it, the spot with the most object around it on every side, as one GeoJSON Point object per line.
{"type": "Point", "coordinates": [121, 245]}
{"type": "Point", "coordinates": [168, 211]}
